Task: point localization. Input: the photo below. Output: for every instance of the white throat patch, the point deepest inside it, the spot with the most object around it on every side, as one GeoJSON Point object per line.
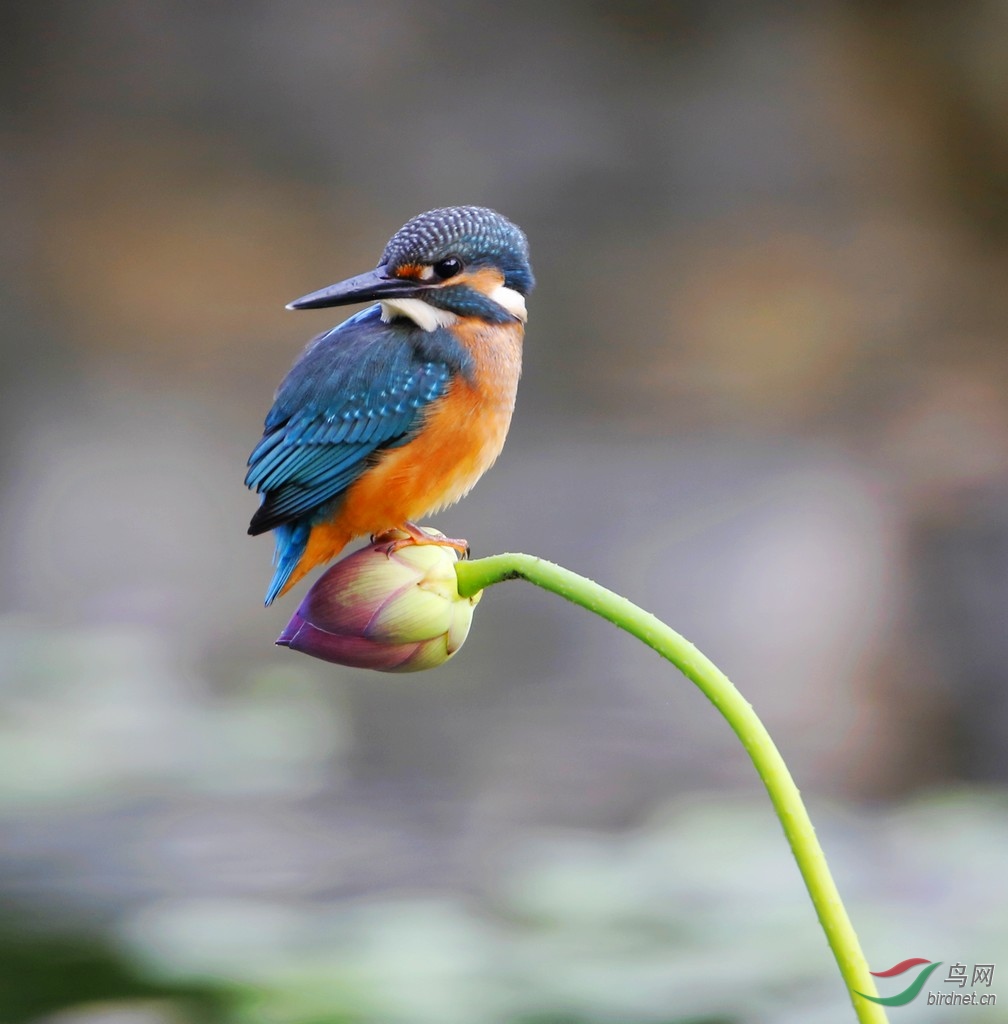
{"type": "Point", "coordinates": [512, 301]}
{"type": "Point", "coordinates": [430, 318]}
{"type": "Point", "coordinates": [426, 317]}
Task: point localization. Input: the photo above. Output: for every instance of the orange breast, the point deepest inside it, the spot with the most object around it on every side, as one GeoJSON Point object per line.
{"type": "Point", "coordinates": [461, 437]}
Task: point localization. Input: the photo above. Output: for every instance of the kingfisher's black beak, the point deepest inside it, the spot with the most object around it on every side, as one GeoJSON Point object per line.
{"type": "Point", "coordinates": [373, 286]}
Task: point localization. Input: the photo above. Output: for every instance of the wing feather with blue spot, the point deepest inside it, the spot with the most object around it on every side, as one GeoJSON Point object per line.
{"type": "Point", "coordinates": [356, 390]}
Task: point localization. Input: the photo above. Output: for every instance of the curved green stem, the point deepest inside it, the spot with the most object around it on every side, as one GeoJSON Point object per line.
{"type": "Point", "coordinates": [476, 575]}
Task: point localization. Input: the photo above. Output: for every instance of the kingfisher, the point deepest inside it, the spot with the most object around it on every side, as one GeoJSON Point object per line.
{"type": "Point", "coordinates": [398, 411]}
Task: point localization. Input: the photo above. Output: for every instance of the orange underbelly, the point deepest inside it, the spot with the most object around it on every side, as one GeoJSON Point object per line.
{"type": "Point", "coordinates": [460, 438]}
{"type": "Point", "coordinates": [459, 441]}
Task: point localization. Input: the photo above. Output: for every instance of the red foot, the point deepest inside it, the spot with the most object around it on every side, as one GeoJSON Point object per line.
{"type": "Point", "coordinates": [410, 533]}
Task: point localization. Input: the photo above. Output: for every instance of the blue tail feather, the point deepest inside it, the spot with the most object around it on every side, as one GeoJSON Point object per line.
{"type": "Point", "coordinates": [291, 541]}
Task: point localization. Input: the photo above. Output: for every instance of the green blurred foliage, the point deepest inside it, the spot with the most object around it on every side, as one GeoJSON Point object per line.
{"type": "Point", "coordinates": [696, 918]}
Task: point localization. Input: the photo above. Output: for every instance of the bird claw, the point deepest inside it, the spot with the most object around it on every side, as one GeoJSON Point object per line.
{"type": "Point", "coordinates": [410, 533]}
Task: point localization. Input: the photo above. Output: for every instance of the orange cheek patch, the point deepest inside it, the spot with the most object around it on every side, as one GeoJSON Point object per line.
{"type": "Point", "coordinates": [484, 280]}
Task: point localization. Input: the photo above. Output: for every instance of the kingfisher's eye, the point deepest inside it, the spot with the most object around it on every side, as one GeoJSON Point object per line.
{"type": "Point", "coordinates": [448, 267]}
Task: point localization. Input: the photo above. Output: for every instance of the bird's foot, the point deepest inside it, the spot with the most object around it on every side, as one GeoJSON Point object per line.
{"type": "Point", "coordinates": [410, 533]}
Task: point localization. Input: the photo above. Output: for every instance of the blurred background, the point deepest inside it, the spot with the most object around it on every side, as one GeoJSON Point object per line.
{"type": "Point", "coordinates": [764, 396]}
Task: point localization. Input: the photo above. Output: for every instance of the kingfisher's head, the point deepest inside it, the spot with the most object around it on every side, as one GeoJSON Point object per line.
{"type": "Point", "coordinates": [460, 261]}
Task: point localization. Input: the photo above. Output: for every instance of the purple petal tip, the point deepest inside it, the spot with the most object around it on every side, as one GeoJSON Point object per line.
{"type": "Point", "coordinates": [289, 633]}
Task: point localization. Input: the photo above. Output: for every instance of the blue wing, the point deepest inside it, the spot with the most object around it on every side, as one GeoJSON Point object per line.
{"type": "Point", "coordinates": [356, 389]}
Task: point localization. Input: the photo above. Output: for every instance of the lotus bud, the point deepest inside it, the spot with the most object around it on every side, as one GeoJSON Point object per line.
{"type": "Point", "coordinates": [391, 607]}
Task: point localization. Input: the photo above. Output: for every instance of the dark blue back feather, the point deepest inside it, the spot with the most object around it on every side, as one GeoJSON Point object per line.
{"type": "Point", "coordinates": [356, 389]}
